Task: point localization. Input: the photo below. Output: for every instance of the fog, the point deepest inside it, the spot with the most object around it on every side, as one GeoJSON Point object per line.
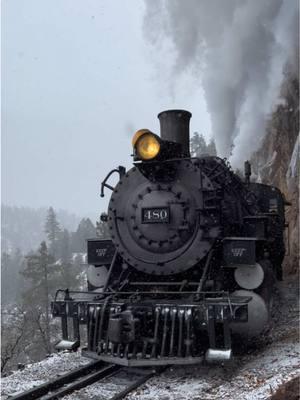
{"type": "Point", "coordinates": [78, 78]}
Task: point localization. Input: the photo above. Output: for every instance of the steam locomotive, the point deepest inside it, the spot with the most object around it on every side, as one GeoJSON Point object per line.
{"type": "Point", "coordinates": [193, 254]}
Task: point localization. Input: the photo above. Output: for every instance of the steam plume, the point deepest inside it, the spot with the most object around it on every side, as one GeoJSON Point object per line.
{"type": "Point", "coordinates": [239, 49]}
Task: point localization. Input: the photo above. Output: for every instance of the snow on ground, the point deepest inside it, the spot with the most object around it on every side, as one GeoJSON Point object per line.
{"type": "Point", "coordinates": [105, 389]}
{"type": "Point", "coordinates": [254, 376]}
{"type": "Point", "coordinates": [244, 380]}
{"type": "Point", "coordinates": [41, 372]}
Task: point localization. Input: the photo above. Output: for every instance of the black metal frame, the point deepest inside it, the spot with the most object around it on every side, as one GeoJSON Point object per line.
{"type": "Point", "coordinates": [172, 341]}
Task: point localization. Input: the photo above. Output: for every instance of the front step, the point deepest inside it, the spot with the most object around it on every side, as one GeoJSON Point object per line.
{"type": "Point", "coordinates": [67, 345]}
{"type": "Point", "coordinates": [217, 355]}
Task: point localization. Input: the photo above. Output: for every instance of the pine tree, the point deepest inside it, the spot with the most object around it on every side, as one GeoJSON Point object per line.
{"type": "Point", "coordinates": [85, 230]}
{"type": "Point", "coordinates": [10, 282]}
{"type": "Point", "coordinates": [41, 274]}
{"type": "Point", "coordinates": [211, 148]}
{"type": "Point", "coordinates": [198, 145]}
{"type": "Point", "coordinates": [64, 246]}
{"type": "Point", "coordinates": [52, 230]}
{"type": "Point", "coordinates": [6, 278]}
{"type": "Point", "coordinates": [102, 230]}
{"type": "Point", "coordinates": [18, 260]}
{"type": "Point", "coordinates": [69, 271]}
{"type": "Point", "coordinates": [199, 148]}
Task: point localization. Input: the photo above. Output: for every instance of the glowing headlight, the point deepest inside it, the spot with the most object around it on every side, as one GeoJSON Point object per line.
{"type": "Point", "coordinates": [146, 144]}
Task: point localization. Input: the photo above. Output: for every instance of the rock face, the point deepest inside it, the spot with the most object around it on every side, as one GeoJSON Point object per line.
{"type": "Point", "coordinates": [277, 162]}
{"type": "Point", "coordinates": [289, 390]}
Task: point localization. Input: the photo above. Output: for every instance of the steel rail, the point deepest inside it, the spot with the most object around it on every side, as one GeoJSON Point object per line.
{"type": "Point", "coordinates": [82, 376]}
{"type": "Point", "coordinates": [105, 372]}
{"type": "Point", "coordinates": [85, 376]}
{"type": "Point", "coordinates": [140, 381]}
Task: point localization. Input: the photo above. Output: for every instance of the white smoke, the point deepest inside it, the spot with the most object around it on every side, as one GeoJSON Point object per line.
{"type": "Point", "coordinates": [239, 49]}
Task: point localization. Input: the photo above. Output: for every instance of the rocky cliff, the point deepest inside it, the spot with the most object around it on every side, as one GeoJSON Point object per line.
{"type": "Point", "coordinates": [277, 161]}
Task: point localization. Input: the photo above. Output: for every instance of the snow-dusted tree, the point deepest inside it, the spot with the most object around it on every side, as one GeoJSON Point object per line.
{"type": "Point", "coordinates": [42, 275]}
{"type": "Point", "coordinates": [102, 230]}
{"type": "Point", "coordinates": [211, 148]}
{"type": "Point", "coordinates": [6, 278]}
{"type": "Point", "coordinates": [10, 279]}
{"type": "Point", "coordinates": [85, 230]}
{"type": "Point", "coordinates": [198, 145]}
{"type": "Point", "coordinates": [52, 229]}
{"type": "Point", "coordinates": [65, 246]}
{"type": "Point", "coordinates": [12, 339]}
{"type": "Point", "coordinates": [69, 271]}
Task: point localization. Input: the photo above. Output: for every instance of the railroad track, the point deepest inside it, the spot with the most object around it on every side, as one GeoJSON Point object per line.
{"type": "Point", "coordinates": [83, 377]}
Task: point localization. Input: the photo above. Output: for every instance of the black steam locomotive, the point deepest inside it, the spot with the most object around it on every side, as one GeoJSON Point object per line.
{"type": "Point", "coordinates": [193, 254]}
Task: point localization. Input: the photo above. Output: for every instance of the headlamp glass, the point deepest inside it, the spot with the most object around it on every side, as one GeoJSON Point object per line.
{"type": "Point", "coordinates": [147, 146]}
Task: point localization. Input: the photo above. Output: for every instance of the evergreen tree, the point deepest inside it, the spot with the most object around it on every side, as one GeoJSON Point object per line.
{"type": "Point", "coordinates": [18, 260]}
{"type": "Point", "coordinates": [10, 282]}
{"type": "Point", "coordinates": [65, 246]}
{"type": "Point", "coordinates": [69, 271]}
{"type": "Point", "coordinates": [6, 278]}
{"type": "Point", "coordinates": [199, 148]}
{"type": "Point", "coordinates": [52, 230]}
{"type": "Point", "coordinates": [198, 145]}
{"type": "Point", "coordinates": [78, 261]}
{"type": "Point", "coordinates": [211, 148]}
{"type": "Point", "coordinates": [85, 230]}
{"type": "Point", "coordinates": [41, 274]}
{"type": "Point", "coordinates": [102, 230]}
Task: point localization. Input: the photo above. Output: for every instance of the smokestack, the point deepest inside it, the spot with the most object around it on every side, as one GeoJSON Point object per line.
{"type": "Point", "coordinates": [175, 127]}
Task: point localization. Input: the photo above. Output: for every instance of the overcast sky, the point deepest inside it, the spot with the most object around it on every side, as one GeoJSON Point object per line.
{"type": "Point", "coordinates": [78, 78]}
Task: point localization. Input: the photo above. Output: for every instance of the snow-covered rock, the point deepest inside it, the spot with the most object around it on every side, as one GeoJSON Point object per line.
{"type": "Point", "coordinates": [293, 169]}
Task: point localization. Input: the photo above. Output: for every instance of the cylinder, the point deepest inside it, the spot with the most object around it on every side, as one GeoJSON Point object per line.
{"type": "Point", "coordinates": [175, 127]}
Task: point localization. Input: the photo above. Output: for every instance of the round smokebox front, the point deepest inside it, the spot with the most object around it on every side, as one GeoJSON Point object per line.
{"type": "Point", "coordinates": [156, 226]}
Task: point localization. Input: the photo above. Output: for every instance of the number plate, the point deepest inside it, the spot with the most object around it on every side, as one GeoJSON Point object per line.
{"type": "Point", "coordinates": [100, 251]}
{"type": "Point", "coordinates": [155, 215]}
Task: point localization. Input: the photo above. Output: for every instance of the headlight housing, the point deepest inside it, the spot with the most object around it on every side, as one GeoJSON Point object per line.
{"type": "Point", "coordinates": [146, 145]}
